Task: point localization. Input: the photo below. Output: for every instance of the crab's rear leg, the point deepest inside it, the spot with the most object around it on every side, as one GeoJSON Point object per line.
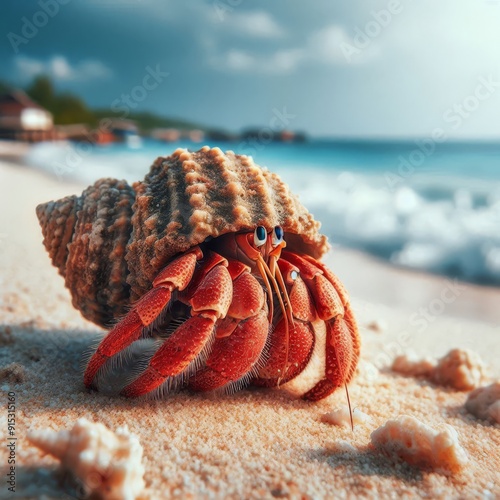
{"type": "Point", "coordinates": [175, 276]}
{"type": "Point", "coordinates": [342, 338]}
{"type": "Point", "coordinates": [240, 336]}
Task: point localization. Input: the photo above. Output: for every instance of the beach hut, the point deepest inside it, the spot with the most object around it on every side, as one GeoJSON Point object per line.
{"type": "Point", "coordinates": [23, 119]}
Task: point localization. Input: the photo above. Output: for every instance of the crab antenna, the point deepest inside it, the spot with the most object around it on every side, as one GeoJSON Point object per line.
{"type": "Point", "coordinates": [262, 269]}
{"type": "Point", "coordinates": [282, 306]}
{"type": "Point", "coordinates": [275, 270]}
{"type": "Point", "coordinates": [349, 404]}
{"type": "Point", "coordinates": [272, 279]}
{"type": "Point", "coordinates": [279, 278]}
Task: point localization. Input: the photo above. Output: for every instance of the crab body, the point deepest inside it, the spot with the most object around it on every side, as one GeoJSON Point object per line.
{"type": "Point", "coordinates": [210, 270]}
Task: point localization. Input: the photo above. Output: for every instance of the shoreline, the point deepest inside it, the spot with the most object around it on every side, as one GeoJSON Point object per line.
{"type": "Point", "coordinates": [254, 443]}
{"type": "Point", "coordinates": [348, 256]}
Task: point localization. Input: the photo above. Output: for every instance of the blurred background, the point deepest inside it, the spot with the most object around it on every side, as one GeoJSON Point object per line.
{"type": "Point", "coordinates": [384, 116]}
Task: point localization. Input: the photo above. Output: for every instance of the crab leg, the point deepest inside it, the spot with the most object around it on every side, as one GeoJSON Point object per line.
{"type": "Point", "coordinates": [342, 341]}
{"type": "Point", "coordinates": [240, 337]}
{"type": "Point", "coordinates": [175, 276]}
{"type": "Point", "coordinates": [301, 341]}
{"type": "Point", "coordinates": [234, 356]}
{"type": "Point", "coordinates": [339, 287]}
{"type": "Point", "coordinates": [209, 303]}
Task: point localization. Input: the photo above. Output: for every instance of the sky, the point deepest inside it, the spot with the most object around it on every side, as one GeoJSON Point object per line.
{"type": "Point", "coordinates": [352, 68]}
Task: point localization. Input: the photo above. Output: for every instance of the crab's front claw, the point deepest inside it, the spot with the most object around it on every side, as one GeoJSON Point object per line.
{"type": "Point", "coordinates": [324, 333]}
{"type": "Point", "coordinates": [342, 342]}
{"type": "Point", "coordinates": [240, 337]}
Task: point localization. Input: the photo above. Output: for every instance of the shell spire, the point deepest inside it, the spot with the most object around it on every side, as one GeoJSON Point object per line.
{"type": "Point", "coordinates": [86, 237]}
{"type": "Point", "coordinates": [51, 442]}
{"type": "Point", "coordinates": [58, 219]}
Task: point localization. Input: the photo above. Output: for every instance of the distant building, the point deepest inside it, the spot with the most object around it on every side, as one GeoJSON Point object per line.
{"type": "Point", "coordinates": [291, 136]}
{"type": "Point", "coordinates": [23, 119]}
{"type": "Point", "coordinates": [166, 134]}
{"type": "Point", "coordinates": [73, 132]}
{"type": "Point", "coordinates": [195, 135]}
{"type": "Point", "coordinates": [125, 131]}
{"type": "Point", "coordinates": [122, 128]}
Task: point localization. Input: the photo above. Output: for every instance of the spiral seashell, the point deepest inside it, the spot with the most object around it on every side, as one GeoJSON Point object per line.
{"type": "Point", "coordinates": [111, 242]}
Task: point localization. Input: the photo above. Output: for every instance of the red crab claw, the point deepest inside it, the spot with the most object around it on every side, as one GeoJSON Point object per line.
{"type": "Point", "coordinates": [332, 305]}
{"type": "Point", "coordinates": [175, 276]}
{"type": "Point", "coordinates": [209, 302]}
{"type": "Point", "coordinates": [240, 337]}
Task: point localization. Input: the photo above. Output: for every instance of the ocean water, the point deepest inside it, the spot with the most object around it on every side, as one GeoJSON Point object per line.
{"type": "Point", "coordinates": [420, 205]}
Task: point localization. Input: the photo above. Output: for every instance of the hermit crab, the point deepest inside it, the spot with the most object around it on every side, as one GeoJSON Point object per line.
{"type": "Point", "coordinates": [214, 262]}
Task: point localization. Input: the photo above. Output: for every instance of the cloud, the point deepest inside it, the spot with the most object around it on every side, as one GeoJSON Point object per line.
{"type": "Point", "coordinates": [328, 46]}
{"type": "Point", "coordinates": [257, 24]}
{"type": "Point", "coordinates": [60, 69]}
{"type": "Point", "coordinates": [279, 62]}
{"type": "Point", "coordinates": [332, 45]}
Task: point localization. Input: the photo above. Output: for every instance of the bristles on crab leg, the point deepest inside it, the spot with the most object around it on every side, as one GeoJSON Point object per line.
{"type": "Point", "coordinates": [175, 276]}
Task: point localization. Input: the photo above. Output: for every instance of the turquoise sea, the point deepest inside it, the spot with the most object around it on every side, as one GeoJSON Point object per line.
{"type": "Point", "coordinates": [417, 204]}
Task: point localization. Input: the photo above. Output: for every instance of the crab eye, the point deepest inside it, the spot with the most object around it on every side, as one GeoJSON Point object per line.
{"type": "Point", "coordinates": [260, 236]}
{"type": "Point", "coordinates": [277, 235]}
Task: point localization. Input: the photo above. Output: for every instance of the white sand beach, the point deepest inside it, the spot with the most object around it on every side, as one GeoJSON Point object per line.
{"type": "Point", "coordinates": [255, 443]}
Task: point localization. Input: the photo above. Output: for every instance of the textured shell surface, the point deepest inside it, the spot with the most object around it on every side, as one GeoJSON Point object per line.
{"type": "Point", "coordinates": [110, 243]}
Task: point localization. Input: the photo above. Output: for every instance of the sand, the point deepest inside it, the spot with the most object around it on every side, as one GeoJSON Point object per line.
{"type": "Point", "coordinates": [255, 443]}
